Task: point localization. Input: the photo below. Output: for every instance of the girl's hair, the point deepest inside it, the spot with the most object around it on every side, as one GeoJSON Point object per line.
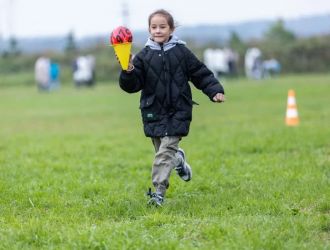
{"type": "Point", "coordinates": [164, 13]}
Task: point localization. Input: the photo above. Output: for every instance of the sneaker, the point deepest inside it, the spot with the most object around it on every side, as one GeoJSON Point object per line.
{"type": "Point", "coordinates": [156, 199]}
{"type": "Point", "coordinates": [183, 169]}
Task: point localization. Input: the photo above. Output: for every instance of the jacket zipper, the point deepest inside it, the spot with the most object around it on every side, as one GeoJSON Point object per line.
{"type": "Point", "coordinates": [168, 84]}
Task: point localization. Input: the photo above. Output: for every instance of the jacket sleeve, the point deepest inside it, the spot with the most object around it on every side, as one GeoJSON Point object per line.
{"type": "Point", "coordinates": [202, 77]}
{"type": "Point", "coordinates": [133, 81]}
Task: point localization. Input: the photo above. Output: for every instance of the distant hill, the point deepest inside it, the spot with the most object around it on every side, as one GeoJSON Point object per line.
{"type": "Point", "coordinates": [302, 27]}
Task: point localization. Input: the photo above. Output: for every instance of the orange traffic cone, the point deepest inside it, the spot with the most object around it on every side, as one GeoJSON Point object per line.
{"type": "Point", "coordinates": [291, 118]}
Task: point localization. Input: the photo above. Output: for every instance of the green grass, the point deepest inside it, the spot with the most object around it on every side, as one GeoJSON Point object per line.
{"type": "Point", "coordinates": [75, 166]}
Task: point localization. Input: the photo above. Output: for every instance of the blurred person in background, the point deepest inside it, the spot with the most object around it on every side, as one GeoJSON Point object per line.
{"type": "Point", "coordinates": [54, 75]}
{"type": "Point", "coordinates": [91, 61]}
{"type": "Point", "coordinates": [84, 71]}
{"type": "Point", "coordinates": [253, 63]}
{"type": "Point", "coordinates": [271, 68]}
{"type": "Point", "coordinates": [42, 73]}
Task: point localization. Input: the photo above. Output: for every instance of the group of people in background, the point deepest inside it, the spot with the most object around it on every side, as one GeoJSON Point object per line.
{"type": "Point", "coordinates": [223, 62]}
{"type": "Point", "coordinates": [257, 68]}
{"type": "Point", "coordinates": [47, 72]}
{"type": "Point", "coordinates": [219, 61]}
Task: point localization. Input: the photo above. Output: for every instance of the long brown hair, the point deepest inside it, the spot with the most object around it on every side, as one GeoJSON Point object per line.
{"type": "Point", "coordinates": [164, 13]}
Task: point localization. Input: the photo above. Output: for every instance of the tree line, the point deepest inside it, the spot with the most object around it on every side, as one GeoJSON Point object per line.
{"type": "Point", "coordinates": [296, 55]}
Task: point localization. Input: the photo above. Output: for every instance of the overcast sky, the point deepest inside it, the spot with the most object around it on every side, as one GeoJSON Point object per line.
{"type": "Point", "coordinates": [28, 18]}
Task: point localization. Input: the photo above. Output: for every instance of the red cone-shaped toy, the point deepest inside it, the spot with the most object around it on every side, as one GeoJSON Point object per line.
{"type": "Point", "coordinates": [121, 39]}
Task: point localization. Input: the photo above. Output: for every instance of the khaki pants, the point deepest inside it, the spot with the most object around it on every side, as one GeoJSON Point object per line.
{"type": "Point", "coordinates": [165, 160]}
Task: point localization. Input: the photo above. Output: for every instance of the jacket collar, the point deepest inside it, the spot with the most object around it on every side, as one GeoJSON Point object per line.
{"type": "Point", "coordinates": [166, 46]}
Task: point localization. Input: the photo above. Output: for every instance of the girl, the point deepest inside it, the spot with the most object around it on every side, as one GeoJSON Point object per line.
{"type": "Point", "coordinates": [161, 70]}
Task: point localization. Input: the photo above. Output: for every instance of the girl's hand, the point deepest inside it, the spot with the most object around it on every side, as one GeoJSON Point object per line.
{"type": "Point", "coordinates": [130, 67]}
{"type": "Point", "coordinates": [219, 97]}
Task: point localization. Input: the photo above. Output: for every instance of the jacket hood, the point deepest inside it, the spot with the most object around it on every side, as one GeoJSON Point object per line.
{"type": "Point", "coordinates": [174, 40]}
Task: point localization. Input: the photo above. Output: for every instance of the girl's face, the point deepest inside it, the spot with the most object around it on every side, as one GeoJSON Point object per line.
{"type": "Point", "coordinates": [159, 29]}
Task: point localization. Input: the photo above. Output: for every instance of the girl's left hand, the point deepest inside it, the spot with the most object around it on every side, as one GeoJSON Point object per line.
{"type": "Point", "coordinates": [219, 97]}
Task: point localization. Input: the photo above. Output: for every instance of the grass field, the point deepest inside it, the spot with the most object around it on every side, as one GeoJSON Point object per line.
{"type": "Point", "coordinates": [75, 167]}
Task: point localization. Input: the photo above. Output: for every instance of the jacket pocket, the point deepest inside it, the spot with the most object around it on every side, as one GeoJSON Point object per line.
{"type": "Point", "coordinates": [149, 109]}
{"type": "Point", "coordinates": [147, 102]}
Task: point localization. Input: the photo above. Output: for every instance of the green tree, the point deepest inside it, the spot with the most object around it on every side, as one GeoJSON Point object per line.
{"type": "Point", "coordinates": [278, 35]}
{"type": "Point", "coordinates": [13, 49]}
{"type": "Point", "coordinates": [236, 43]}
{"type": "Point", "coordinates": [70, 43]}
